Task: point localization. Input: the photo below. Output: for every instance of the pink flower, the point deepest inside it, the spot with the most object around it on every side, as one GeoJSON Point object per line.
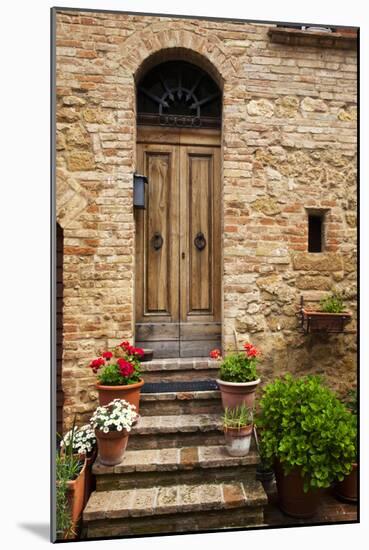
{"type": "Point", "coordinates": [137, 351]}
{"type": "Point", "coordinates": [107, 355]}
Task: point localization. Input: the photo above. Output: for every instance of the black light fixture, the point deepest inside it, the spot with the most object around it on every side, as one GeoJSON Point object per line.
{"type": "Point", "coordinates": [139, 194]}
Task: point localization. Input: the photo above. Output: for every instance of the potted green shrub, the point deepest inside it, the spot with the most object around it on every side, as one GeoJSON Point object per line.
{"type": "Point", "coordinates": [238, 425]}
{"type": "Point", "coordinates": [238, 376]}
{"type": "Point", "coordinates": [307, 435]}
{"type": "Point", "coordinates": [70, 489]}
{"type": "Point", "coordinates": [112, 424]}
{"type": "Point", "coordinates": [119, 374]}
{"type": "Point", "coordinates": [347, 488]}
{"type": "Point", "coordinates": [331, 317]}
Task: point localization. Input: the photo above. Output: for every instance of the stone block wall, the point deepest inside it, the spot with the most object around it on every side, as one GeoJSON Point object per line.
{"type": "Point", "coordinates": [288, 145]}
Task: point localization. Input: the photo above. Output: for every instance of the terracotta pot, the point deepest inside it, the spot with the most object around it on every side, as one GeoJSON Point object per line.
{"type": "Point", "coordinates": [111, 446]}
{"type": "Point", "coordinates": [291, 497]}
{"type": "Point", "coordinates": [130, 393]}
{"type": "Point", "coordinates": [90, 481]}
{"type": "Point", "coordinates": [320, 321]}
{"type": "Point", "coordinates": [76, 499]}
{"type": "Point", "coordinates": [238, 440]}
{"type": "Point", "coordinates": [347, 489]}
{"type": "Point", "coordinates": [234, 394]}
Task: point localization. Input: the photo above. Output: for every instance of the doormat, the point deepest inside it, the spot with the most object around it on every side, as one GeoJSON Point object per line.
{"type": "Point", "coordinates": [166, 387]}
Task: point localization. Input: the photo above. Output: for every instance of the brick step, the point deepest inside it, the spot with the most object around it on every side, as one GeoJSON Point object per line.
{"type": "Point", "coordinates": [169, 431]}
{"type": "Point", "coordinates": [185, 465]}
{"type": "Point", "coordinates": [169, 370]}
{"type": "Point", "coordinates": [180, 402]}
{"type": "Point", "coordinates": [174, 509]}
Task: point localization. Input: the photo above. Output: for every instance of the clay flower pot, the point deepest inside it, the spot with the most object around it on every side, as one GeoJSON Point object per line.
{"type": "Point", "coordinates": [76, 499]}
{"type": "Point", "coordinates": [291, 497]}
{"type": "Point", "coordinates": [235, 394]}
{"type": "Point", "coordinates": [238, 440]}
{"type": "Point", "coordinates": [130, 393]}
{"type": "Point", "coordinates": [111, 446]}
{"type": "Point", "coordinates": [347, 488]}
{"type": "Point", "coordinates": [90, 482]}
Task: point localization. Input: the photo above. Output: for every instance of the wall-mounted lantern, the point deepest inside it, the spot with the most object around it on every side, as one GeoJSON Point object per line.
{"type": "Point", "coordinates": [139, 192]}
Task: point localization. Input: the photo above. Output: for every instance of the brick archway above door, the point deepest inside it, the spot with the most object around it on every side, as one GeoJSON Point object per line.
{"type": "Point", "coordinates": [145, 48]}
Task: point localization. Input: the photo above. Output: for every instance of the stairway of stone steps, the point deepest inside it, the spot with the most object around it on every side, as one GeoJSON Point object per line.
{"type": "Point", "coordinates": [176, 474]}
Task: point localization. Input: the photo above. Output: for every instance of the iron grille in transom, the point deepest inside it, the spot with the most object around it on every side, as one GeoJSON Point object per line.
{"type": "Point", "coordinates": [177, 93]}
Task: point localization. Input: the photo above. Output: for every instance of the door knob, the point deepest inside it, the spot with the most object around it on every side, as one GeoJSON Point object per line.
{"type": "Point", "coordinates": [200, 241]}
{"type": "Point", "coordinates": [157, 241]}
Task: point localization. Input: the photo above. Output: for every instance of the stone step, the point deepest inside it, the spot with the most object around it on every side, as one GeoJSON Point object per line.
{"type": "Point", "coordinates": [189, 368]}
{"type": "Point", "coordinates": [174, 509]}
{"type": "Point", "coordinates": [180, 402]}
{"type": "Point", "coordinates": [185, 465]}
{"type": "Point", "coordinates": [170, 431]}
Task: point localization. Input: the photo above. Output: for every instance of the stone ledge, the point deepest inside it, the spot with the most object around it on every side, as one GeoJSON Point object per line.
{"type": "Point", "coordinates": [154, 460]}
{"type": "Point", "coordinates": [196, 363]}
{"type": "Point", "coordinates": [174, 424]}
{"type": "Point", "coordinates": [297, 37]}
{"type": "Point", "coordinates": [180, 396]}
{"type": "Point", "coordinates": [173, 499]}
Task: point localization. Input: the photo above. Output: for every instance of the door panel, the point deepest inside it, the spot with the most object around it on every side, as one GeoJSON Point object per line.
{"type": "Point", "coordinates": [200, 237]}
{"type": "Point", "coordinates": [157, 236]}
{"type": "Point", "coordinates": [178, 245]}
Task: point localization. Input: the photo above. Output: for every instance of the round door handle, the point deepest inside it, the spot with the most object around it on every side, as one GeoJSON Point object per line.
{"type": "Point", "coordinates": [200, 241]}
{"type": "Point", "coordinates": [157, 241]}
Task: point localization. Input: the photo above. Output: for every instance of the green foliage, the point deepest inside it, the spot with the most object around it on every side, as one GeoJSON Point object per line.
{"type": "Point", "coordinates": [237, 367]}
{"type": "Point", "coordinates": [68, 467]}
{"type": "Point", "coordinates": [332, 304]}
{"type": "Point", "coordinates": [303, 424]}
{"type": "Point", "coordinates": [237, 417]}
{"type": "Point", "coordinates": [110, 375]}
{"type": "Point", "coordinates": [351, 401]}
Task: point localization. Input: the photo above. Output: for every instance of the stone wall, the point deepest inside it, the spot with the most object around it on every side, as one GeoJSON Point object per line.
{"type": "Point", "coordinates": [288, 144]}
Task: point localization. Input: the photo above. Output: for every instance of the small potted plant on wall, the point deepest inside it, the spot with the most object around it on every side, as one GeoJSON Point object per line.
{"type": "Point", "coordinates": [308, 436]}
{"type": "Point", "coordinates": [347, 488]}
{"type": "Point", "coordinates": [331, 317]}
{"type": "Point", "coordinates": [112, 424]}
{"type": "Point", "coordinates": [119, 374]}
{"type": "Point", "coordinates": [238, 426]}
{"type": "Point", "coordinates": [238, 377]}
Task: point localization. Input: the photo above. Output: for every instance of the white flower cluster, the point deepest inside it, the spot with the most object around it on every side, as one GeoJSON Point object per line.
{"type": "Point", "coordinates": [118, 415]}
{"type": "Point", "coordinates": [83, 440]}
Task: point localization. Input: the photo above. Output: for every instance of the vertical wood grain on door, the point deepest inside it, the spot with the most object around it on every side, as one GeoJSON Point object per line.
{"type": "Point", "coordinates": [157, 236]}
{"type": "Point", "coordinates": [200, 219]}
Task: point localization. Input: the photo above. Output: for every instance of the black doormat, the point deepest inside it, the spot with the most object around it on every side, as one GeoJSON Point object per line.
{"type": "Point", "coordinates": [195, 385]}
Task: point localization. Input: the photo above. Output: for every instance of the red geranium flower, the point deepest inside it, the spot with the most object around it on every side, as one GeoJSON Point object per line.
{"type": "Point", "coordinates": [125, 345]}
{"type": "Point", "coordinates": [251, 350]}
{"type": "Point", "coordinates": [126, 368]}
{"type": "Point", "coordinates": [96, 364]}
{"type": "Point", "coordinates": [107, 355]}
{"type": "Point", "coordinates": [137, 351]}
{"type": "Point", "coordinates": [215, 353]}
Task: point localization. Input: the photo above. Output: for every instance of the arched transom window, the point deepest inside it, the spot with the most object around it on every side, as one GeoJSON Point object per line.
{"type": "Point", "coordinates": [178, 93]}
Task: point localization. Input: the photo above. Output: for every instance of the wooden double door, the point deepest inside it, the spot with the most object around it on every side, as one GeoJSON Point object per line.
{"type": "Point", "coordinates": [178, 242]}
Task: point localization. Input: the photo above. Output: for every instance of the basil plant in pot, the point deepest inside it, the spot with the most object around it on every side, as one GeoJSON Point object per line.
{"type": "Point", "coordinates": [119, 374]}
{"type": "Point", "coordinates": [238, 376]}
{"type": "Point", "coordinates": [308, 436]}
